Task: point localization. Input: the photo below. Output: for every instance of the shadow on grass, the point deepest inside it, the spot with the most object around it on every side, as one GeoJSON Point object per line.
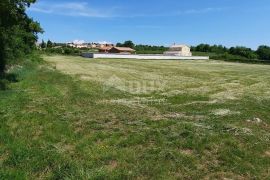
{"type": "Point", "coordinates": [6, 79]}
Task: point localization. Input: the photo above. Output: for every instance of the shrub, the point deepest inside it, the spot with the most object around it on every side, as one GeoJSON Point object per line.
{"type": "Point", "coordinates": [3, 84]}
{"type": "Point", "coordinates": [264, 52]}
{"type": "Point", "coordinates": [227, 56]}
{"type": "Point", "coordinates": [54, 50]}
{"type": "Point", "coordinates": [243, 51]}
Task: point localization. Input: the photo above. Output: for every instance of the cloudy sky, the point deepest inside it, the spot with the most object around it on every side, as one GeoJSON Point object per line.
{"type": "Point", "coordinates": [159, 22]}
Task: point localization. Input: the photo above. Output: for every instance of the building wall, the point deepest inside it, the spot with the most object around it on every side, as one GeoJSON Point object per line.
{"type": "Point", "coordinates": [88, 55]}
{"type": "Point", "coordinates": [179, 51]}
{"type": "Point", "coordinates": [113, 50]}
{"type": "Point", "coordinates": [186, 51]}
{"type": "Point", "coordinates": [151, 57]}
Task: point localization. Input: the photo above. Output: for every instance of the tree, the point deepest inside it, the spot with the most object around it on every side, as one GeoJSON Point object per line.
{"type": "Point", "coordinates": [119, 45]}
{"type": "Point", "coordinates": [49, 44]}
{"type": "Point", "coordinates": [218, 49]}
{"type": "Point", "coordinates": [243, 51]}
{"type": "Point", "coordinates": [18, 32]}
{"type": "Point", "coordinates": [146, 49]}
{"type": "Point", "coordinates": [129, 44]}
{"type": "Point", "coordinates": [263, 52]}
{"type": "Point", "coordinates": [43, 44]}
{"type": "Point", "coordinates": [203, 48]}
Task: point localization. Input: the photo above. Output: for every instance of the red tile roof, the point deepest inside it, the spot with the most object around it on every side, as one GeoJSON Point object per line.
{"type": "Point", "coordinates": [124, 49]}
{"type": "Point", "coordinates": [105, 48]}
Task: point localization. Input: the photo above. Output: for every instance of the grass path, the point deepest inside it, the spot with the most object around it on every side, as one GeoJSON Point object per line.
{"type": "Point", "coordinates": [128, 119]}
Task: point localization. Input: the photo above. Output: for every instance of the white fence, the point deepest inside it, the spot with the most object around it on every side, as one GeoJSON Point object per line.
{"type": "Point", "coordinates": [133, 56]}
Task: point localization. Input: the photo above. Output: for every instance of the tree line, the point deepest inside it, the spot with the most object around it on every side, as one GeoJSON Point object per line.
{"type": "Point", "coordinates": [143, 49]}
{"type": "Point", "coordinates": [262, 53]}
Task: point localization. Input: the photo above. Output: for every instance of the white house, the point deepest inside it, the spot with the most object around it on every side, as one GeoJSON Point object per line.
{"type": "Point", "coordinates": [179, 50]}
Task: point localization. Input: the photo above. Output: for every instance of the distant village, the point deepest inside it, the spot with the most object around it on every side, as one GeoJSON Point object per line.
{"type": "Point", "coordinates": [104, 47]}
{"type": "Point", "coordinates": [128, 47]}
{"type": "Point", "coordinates": [93, 45]}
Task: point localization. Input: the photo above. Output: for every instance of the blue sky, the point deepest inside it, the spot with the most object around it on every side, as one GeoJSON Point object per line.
{"type": "Point", "coordinates": [156, 22]}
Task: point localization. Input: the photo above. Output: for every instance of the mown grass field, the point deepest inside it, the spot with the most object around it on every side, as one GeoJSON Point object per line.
{"type": "Point", "coordinates": [75, 118]}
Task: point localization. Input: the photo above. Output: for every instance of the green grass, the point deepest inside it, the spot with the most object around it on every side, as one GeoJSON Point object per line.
{"type": "Point", "coordinates": [152, 120]}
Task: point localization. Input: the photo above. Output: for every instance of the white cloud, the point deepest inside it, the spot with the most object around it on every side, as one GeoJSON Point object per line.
{"type": "Point", "coordinates": [147, 27]}
{"type": "Point", "coordinates": [201, 11]}
{"type": "Point", "coordinates": [71, 9]}
{"type": "Point", "coordinates": [104, 42]}
{"type": "Point", "coordinates": [37, 9]}
{"type": "Point", "coordinates": [78, 41]}
{"type": "Point", "coordinates": [182, 12]}
{"type": "Point", "coordinates": [83, 9]}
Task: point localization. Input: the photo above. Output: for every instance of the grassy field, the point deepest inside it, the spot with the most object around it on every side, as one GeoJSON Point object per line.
{"type": "Point", "coordinates": [75, 118]}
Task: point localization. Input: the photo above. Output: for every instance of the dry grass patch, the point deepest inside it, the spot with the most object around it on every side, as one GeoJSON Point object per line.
{"type": "Point", "coordinates": [225, 112]}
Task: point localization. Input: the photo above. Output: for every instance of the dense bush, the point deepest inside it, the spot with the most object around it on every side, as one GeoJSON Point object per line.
{"type": "Point", "coordinates": [208, 48]}
{"type": "Point", "coordinates": [227, 56]}
{"type": "Point", "coordinates": [15, 72]}
{"type": "Point", "coordinates": [244, 52]}
{"type": "Point", "coordinates": [3, 84]}
{"type": "Point", "coordinates": [146, 49]}
{"type": "Point", "coordinates": [128, 43]}
{"type": "Point", "coordinates": [18, 32]}
{"type": "Point", "coordinates": [54, 50]}
{"type": "Point", "coordinates": [63, 50]}
{"type": "Point", "coordinates": [264, 52]}
{"type": "Point", "coordinates": [143, 49]}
